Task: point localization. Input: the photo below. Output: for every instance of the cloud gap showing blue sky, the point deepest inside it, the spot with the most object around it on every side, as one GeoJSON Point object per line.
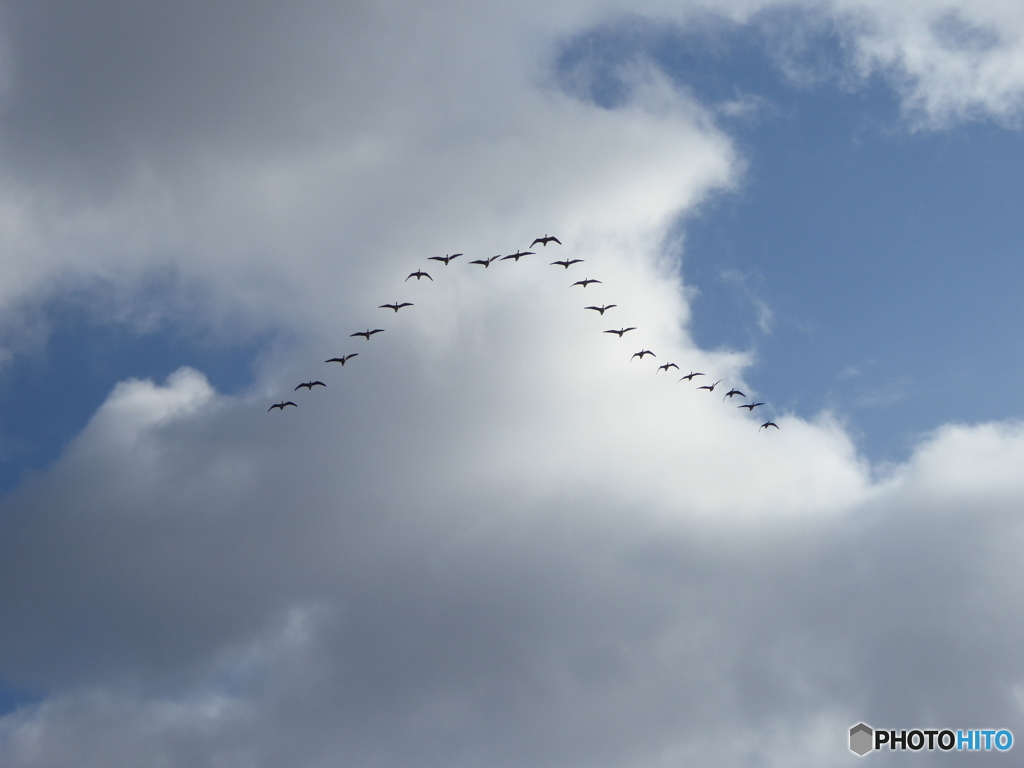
{"type": "Point", "coordinates": [886, 257]}
{"type": "Point", "coordinates": [81, 341]}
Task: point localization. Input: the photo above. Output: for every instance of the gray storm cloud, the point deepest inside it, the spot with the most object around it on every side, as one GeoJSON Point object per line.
{"type": "Point", "coordinates": [492, 539]}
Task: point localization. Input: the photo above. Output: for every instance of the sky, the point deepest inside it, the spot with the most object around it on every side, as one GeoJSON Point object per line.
{"type": "Point", "coordinates": [494, 537]}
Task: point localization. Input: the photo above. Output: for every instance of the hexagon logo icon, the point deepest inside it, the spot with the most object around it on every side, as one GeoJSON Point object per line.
{"type": "Point", "coordinates": [861, 739]}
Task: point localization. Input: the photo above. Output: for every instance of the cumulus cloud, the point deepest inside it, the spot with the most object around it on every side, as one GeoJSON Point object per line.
{"type": "Point", "coordinates": [949, 61]}
{"type": "Point", "coordinates": [492, 538]}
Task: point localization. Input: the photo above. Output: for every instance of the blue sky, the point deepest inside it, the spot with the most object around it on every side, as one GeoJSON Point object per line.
{"type": "Point", "coordinates": [52, 388]}
{"type": "Point", "coordinates": [494, 538]}
{"type": "Point", "coordinates": [871, 266]}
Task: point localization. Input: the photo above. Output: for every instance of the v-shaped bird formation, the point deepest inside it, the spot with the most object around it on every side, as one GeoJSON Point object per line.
{"type": "Point", "coordinates": [486, 262]}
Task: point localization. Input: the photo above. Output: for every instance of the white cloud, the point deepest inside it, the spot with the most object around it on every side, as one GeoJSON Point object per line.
{"type": "Point", "coordinates": [492, 538]}
{"type": "Point", "coordinates": [950, 61]}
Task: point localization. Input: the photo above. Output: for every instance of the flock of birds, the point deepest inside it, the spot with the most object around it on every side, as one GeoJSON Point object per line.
{"type": "Point", "coordinates": [566, 263]}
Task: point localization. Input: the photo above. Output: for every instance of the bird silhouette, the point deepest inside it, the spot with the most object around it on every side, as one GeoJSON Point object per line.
{"type": "Point", "coordinates": [602, 309]}
{"type": "Point", "coordinates": [517, 256]}
{"type": "Point", "coordinates": [567, 263]}
{"type": "Point", "coordinates": [446, 258]}
{"type": "Point", "coordinates": [768, 424]}
{"type": "Point", "coordinates": [485, 262]}
{"type": "Point", "coordinates": [281, 405]}
{"type": "Point", "coordinates": [343, 359]}
{"type": "Point", "coordinates": [666, 366]}
{"type": "Point", "coordinates": [689, 376]}
{"type": "Point", "coordinates": [419, 273]}
{"type": "Point", "coordinates": [396, 306]}
{"type": "Point", "coordinates": [622, 330]}
{"type": "Point", "coordinates": [367, 333]}
{"type": "Point", "coordinates": [310, 384]}
{"type": "Point", "coordinates": [585, 282]}
{"type": "Point", "coordinates": [750, 406]}
{"type": "Point", "coordinates": [733, 393]}
{"type": "Point", "coordinates": [545, 240]}
{"type": "Point", "coordinates": [711, 387]}
{"type": "Point", "coordinates": [641, 354]}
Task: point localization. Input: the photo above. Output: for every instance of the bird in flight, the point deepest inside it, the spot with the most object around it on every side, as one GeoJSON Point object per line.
{"type": "Point", "coordinates": [281, 405]}
{"type": "Point", "coordinates": [486, 262]}
{"type": "Point", "coordinates": [733, 393]}
{"type": "Point", "coordinates": [768, 424]}
{"type": "Point", "coordinates": [711, 387]}
{"type": "Point", "coordinates": [396, 306]}
{"type": "Point", "coordinates": [343, 359]}
{"type": "Point", "coordinates": [641, 354]}
{"type": "Point", "coordinates": [585, 282]}
{"type": "Point", "coordinates": [545, 240]}
{"type": "Point", "coordinates": [367, 333]}
{"type": "Point", "coordinates": [622, 330]}
{"type": "Point", "coordinates": [446, 258]}
{"type": "Point", "coordinates": [419, 273]}
{"type": "Point", "coordinates": [666, 366]}
{"type": "Point", "coordinates": [567, 263]}
{"type": "Point", "coordinates": [689, 376]}
{"type": "Point", "coordinates": [310, 384]}
{"type": "Point", "coordinates": [517, 256]}
{"type": "Point", "coordinates": [750, 406]}
{"type": "Point", "coordinates": [602, 309]}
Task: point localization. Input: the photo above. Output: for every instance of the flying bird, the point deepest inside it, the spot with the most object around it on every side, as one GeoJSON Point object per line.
{"type": "Point", "coordinates": [750, 406]}
{"type": "Point", "coordinates": [517, 256]}
{"type": "Point", "coordinates": [281, 405]}
{"type": "Point", "coordinates": [666, 366]}
{"type": "Point", "coordinates": [641, 354]}
{"type": "Point", "coordinates": [711, 387]}
{"type": "Point", "coordinates": [622, 330]}
{"type": "Point", "coordinates": [486, 262]}
{"type": "Point", "coordinates": [567, 263]}
{"type": "Point", "coordinates": [733, 393]}
{"type": "Point", "coordinates": [367, 333]}
{"type": "Point", "coordinates": [344, 359]}
{"type": "Point", "coordinates": [419, 273]}
{"type": "Point", "coordinates": [310, 384]}
{"type": "Point", "coordinates": [446, 258]}
{"type": "Point", "coordinates": [585, 282]}
{"type": "Point", "coordinates": [689, 376]}
{"type": "Point", "coordinates": [396, 306]}
{"type": "Point", "coordinates": [545, 240]}
{"type": "Point", "coordinates": [768, 424]}
{"type": "Point", "coordinates": [602, 309]}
